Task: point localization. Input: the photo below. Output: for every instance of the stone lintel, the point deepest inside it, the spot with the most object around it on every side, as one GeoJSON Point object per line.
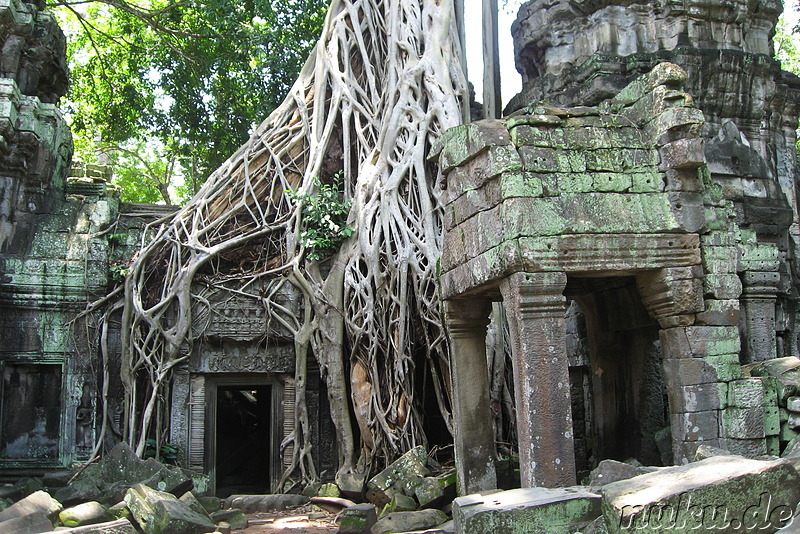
{"type": "Point", "coordinates": [574, 254]}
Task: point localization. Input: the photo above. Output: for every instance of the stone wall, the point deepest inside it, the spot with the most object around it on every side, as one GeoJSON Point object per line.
{"type": "Point", "coordinates": [615, 208]}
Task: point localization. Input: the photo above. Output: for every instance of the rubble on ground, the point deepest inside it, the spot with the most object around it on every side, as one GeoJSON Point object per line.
{"type": "Point", "coordinates": [719, 491]}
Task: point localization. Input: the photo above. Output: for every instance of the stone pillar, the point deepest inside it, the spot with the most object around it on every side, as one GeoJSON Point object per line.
{"type": "Point", "coordinates": [179, 412]}
{"type": "Point", "coordinates": [535, 306]}
{"type": "Point", "coordinates": [467, 320]}
{"type": "Point", "coordinates": [759, 297]}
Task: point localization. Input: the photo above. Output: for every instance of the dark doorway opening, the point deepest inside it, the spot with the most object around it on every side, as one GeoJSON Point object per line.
{"type": "Point", "coordinates": [243, 439]}
{"type": "Point", "coordinates": [619, 400]}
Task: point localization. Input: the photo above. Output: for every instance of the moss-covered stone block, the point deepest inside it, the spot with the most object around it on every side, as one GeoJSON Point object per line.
{"type": "Point", "coordinates": [611, 182]}
{"type": "Point", "coordinates": [87, 513]}
{"type": "Point", "coordinates": [621, 160]}
{"type": "Point", "coordinates": [398, 476]}
{"type": "Point", "coordinates": [763, 257]}
{"type": "Point", "coordinates": [357, 519]}
{"type": "Point", "coordinates": [720, 494]}
{"type": "Point", "coordinates": [646, 182]}
{"type": "Point", "coordinates": [526, 510]}
{"type": "Point", "coordinates": [158, 512]}
{"type": "Point", "coordinates": [520, 184]}
{"type": "Point", "coordinates": [747, 393]}
{"type": "Point", "coordinates": [528, 135]}
{"type": "Point", "coordinates": [742, 423]}
{"type": "Point", "coordinates": [722, 286]}
{"type": "Point", "coordinates": [663, 74]}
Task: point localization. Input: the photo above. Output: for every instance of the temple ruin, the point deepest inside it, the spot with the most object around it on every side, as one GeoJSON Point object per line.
{"type": "Point", "coordinates": [635, 213]}
{"type": "Point", "coordinates": [647, 176]}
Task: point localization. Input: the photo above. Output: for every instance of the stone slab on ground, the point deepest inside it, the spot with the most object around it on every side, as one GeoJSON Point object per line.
{"type": "Point", "coordinates": [333, 505]}
{"type": "Point", "coordinates": [409, 521]}
{"type": "Point", "coordinates": [723, 494]}
{"type": "Point", "coordinates": [39, 501]}
{"type": "Point", "coordinates": [159, 512]}
{"type": "Point", "coordinates": [33, 523]}
{"type": "Point", "coordinates": [119, 526]}
{"type": "Point", "coordinates": [525, 510]}
{"type": "Point", "coordinates": [264, 503]}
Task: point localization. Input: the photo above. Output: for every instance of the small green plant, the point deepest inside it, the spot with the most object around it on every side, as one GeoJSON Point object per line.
{"type": "Point", "coordinates": [119, 272]}
{"type": "Point", "coordinates": [324, 216]}
{"type": "Point", "coordinates": [117, 239]}
{"type": "Point", "coordinates": [168, 452]}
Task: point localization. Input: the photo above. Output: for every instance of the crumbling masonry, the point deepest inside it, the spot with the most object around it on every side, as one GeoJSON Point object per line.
{"type": "Point", "coordinates": [647, 178]}
{"type": "Point", "coordinates": [636, 214]}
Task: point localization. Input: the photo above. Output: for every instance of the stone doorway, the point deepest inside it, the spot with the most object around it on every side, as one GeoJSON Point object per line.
{"type": "Point", "coordinates": [616, 375]}
{"type": "Point", "coordinates": [242, 413]}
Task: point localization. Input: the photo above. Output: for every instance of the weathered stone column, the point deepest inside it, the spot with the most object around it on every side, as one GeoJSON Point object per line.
{"type": "Point", "coordinates": [467, 320]}
{"type": "Point", "coordinates": [535, 306]}
{"type": "Point", "coordinates": [759, 296]}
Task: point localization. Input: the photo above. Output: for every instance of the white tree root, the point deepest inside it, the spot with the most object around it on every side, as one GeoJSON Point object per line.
{"type": "Point", "coordinates": [382, 83]}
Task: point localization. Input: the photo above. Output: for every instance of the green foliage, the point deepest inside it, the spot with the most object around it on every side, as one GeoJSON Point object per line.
{"type": "Point", "coordinates": [119, 272]}
{"type": "Point", "coordinates": [168, 453]}
{"type": "Point", "coordinates": [324, 214]}
{"type": "Point", "coordinates": [787, 46]}
{"type": "Point", "coordinates": [787, 50]}
{"type": "Point", "coordinates": [192, 78]}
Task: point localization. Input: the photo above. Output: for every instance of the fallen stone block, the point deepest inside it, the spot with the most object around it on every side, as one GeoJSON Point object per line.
{"type": "Point", "coordinates": [233, 517]}
{"type": "Point", "coordinates": [433, 492]}
{"type": "Point", "coordinates": [722, 494]}
{"type": "Point", "coordinates": [448, 527]}
{"type": "Point", "coordinates": [159, 512]}
{"type": "Point", "coordinates": [108, 480]}
{"type": "Point", "coordinates": [87, 513]}
{"type": "Point", "coordinates": [357, 519]}
{"type": "Point", "coordinates": [399, 503]}
{"type": "Point", "coordinates": [79, 491]}
{"type": "Point", "coordinates": [351, 485]}
{"type": "Point", "coordinates": [409, 521]}
{"type": "Point", "coordinates": [119, 526]}
{"type": "Point", "coordinates": [398, 477]}
{"type": "Point", "coordinates": [32, 523]}
{"type": "Point", "coordinates": [40, 501]}
{"type": "Point", "coordinates": [608, 471]}
{"type": "Point", "coordinates": [792, 449]}
{"type": "Point", "coordinates": [210, 503]}
{"type": "Point", "coordinates": [264, 503]}
{"type": "Point", "coordinates": [525, 510]}
{"type": "Point", "coordinates": [192, 502]}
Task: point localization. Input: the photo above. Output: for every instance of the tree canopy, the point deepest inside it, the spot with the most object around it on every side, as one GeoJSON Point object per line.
{"type": "Point", "coordinates": [168, 91]}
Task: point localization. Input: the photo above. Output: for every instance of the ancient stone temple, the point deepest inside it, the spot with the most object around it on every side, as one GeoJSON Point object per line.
{"type": "Point", "coordinates": [65, 240]}
{"type": "Point", "coordinates": [636, 214]}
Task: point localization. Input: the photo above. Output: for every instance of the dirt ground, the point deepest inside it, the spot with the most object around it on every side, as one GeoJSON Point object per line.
{"type": "Point", "coordinates": [302, 520]}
